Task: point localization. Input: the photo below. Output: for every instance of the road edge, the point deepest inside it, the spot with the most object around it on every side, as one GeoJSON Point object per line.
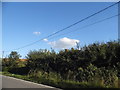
{"type": "Point", "coordinates": [30, 82]}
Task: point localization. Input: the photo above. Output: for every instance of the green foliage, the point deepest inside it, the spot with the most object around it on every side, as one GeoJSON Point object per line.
{"type": "Point", "coordinates": [100, 76]}
{"type": "Point", "coordinates": [41, 60]}
{"type": "Point", "coordinates": [12, 61]}
{"type": "Point", "coordinates": [95, 65]}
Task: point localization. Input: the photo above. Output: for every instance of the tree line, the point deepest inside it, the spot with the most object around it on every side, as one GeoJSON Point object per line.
{"type": "Point", "coordinates": [97, 63]}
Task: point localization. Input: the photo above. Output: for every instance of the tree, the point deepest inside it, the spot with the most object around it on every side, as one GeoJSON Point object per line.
{"type": "Point", "coordinates": [39, 60]}
{"type": "Point", "coordinates": [13, 59]}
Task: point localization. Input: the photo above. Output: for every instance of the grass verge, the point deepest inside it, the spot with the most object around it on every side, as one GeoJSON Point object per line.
{"type": "Point", "coordinates": [55, 83]}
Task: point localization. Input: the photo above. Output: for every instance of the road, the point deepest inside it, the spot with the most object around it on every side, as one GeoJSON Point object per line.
{"type": "Point", "coordinates": [10, 82]}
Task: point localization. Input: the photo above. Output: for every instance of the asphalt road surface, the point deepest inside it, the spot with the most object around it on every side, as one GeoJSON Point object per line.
{"type": "Point", "coordinates": [10, 82]}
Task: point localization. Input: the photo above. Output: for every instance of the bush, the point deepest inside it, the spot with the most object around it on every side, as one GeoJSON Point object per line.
{"type": "Point", "coordinates": [98, 76]}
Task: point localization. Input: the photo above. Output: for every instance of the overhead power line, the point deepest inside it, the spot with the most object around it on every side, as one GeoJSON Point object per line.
{"type": "Point", "coordinates": [67, 26]}
{"type": "Point", "coordinates": [80, 28]}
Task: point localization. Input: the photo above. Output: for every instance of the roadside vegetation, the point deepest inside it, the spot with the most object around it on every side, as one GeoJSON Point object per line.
{"type": "Point", "coordinates": [96, 65]}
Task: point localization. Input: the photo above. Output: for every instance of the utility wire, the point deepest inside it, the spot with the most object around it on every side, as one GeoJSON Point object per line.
{"type": "Point", "coordinates": [86, 26]}
{"type": "Point", "coordinates": [83, 19]}
{"type": "Point", "coordinates": [67, 26]}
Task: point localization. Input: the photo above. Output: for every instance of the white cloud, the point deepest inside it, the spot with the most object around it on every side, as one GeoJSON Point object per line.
{"type": "Point", "coordinates": [64, 43]}
{"type": "Point", "coordinates": [45, 40]}
{"type": "Point", "coordinates": [37, 33]}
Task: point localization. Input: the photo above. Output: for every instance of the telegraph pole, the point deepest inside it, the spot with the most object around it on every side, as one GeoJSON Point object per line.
{"type": "Point", "coordinates": [2, 55]}
{"type": "Point", "coordinates": [78, 45]}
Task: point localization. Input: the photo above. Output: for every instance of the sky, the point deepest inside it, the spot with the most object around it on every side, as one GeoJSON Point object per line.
{"type": "Point", "coordinates": [27, 22]}
{"type": "Point", "coordinates": [0, 28]}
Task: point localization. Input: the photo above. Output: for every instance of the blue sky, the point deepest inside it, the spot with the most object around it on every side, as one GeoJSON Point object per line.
{"type": "Point", "coordinates": [26, 22]}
